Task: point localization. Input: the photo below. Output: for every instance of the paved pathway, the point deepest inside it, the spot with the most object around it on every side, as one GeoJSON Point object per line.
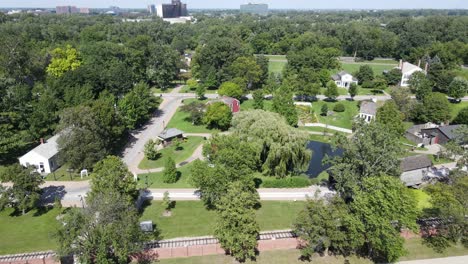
{"type": "Point", "coordinates": [448, 260]}
{"type": "Point", "coordinates": [431, 149]}
{"type": "Point", "coordinates": [340, 129]}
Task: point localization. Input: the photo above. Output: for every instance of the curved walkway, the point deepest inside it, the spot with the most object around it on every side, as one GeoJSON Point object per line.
{"type": "Point", "coordinates": [340, 129]}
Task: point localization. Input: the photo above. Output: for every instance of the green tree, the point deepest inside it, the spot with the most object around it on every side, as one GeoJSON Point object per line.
{"type": "Point", "coordinates": [248, 70]}
{"type": "Point", "coordinates": [170, 174]}
{"type": "Point", "coordinates": [196, 111]}
{"type": "Point", "coordinates": [458, 88]}
{"type": "Point", "coordinates": [259, 99]}
{"type": "Point", "coordinates": [231, 89]}
{"type": "Point", "coordinates": [150, 150]}
{"type": "Point", "coordinates": [24, 194]}
{"type": "Point", "coordinates": [192, 84]}
{"type": "Point", "coordinates": [63, 60]}
{"type": "Point", "coordinates": [166, 201]}
{"type": "Point", "coordinates": [402, 98]}
{"type": "Point", "coordinates": [163, 66]}
{"type": "Point", "coordinates": [218, 115]}
{"type": "Point", "coordinates": [137, 106]}
{"type": "Point", "coordinates": [111, 175]}
{"type": "Point", "coordinates": [106, 231]}
{"type": "Point", "coordinates": [324, 110]}
{"type": "Point", "coordinates": [353, 90]}
{"type": "Point", "coordinates": [283, 104]}
{"type": "Point", "coordinates": [389, 115]}
{"type": "Point", "coordinates": [313, 57]}
{"type": "Point", "coordinates": [332, 91]}
{"type": "Point", "coordinates": [200, 91]}
{"type": "Point", "coordinates": [327, 225]}
{"type": "Point", "coordinates": [420, 85]}
{"type": "Point", "coordinates": [384, 206]}
{"type": "Point", "coordinates": [393, 77]}
{"type": "Point", "coordinates": [236, 225]}
{"type": "Point", "coordinates": [365, 74]}
{"type": "Point", "coordinates": [437, 108]}
{"type": "Point", "coordinates": [282, 149]}
{"type": "Point", "coordinates": [462, 117]}
{"type": "Point", "coordinates": [83, 140]}
{"type": "Point", "coordinates": [372, 150]}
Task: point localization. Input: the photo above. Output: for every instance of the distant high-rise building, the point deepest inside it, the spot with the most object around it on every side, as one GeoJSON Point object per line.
{"type": "Point", "coordinates": [66, 10]}
{"type": "Point", "coordinates": [173, 10]}
{"type": "Point", "coordinates": [152, 9]}
{"type": "Point", "coordinates": [259, 9]}
{"type": "Point", "coordinates": [84, 10]}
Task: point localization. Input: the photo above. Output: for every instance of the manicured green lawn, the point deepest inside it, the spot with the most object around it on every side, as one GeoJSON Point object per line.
{"type": "Point", "coordinates": [377, 68]}
{"type": "Point", "coordinates": [276, 66]}
{"type": "Point", "coordinates": [344, 119]}
{"type": "Point", "coordinates": [276, 57]}
{"type": "Point", "coordinates": [422, 198]}
{"type": "Point", "coordinates": [440, 160]}
{"type": "Point", "coordinates": [190, 218]}
{"type": "Point", "coordinates": [455, 108]}
{"type": "Point", "coordinates": [31, 232]}
{"type": "Point", "coordinates": [61, 174]}
{"type": "Point", "coordinates": [419, 251]}
{"type": "Point", "coordinates": [155, 179]}
{"type": "Point", "coordinates": [181, 120]}
{"type": "Point", "coordinates": [290, 256]}
{"type": "Point", "coordinates": [248, 105]}
{"type": "Point", "coordinates": [187, 148]}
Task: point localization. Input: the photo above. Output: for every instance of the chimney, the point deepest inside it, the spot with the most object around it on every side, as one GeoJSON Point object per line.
{"type": "Point", "coordinates": [42, 141]}
{"type": "Point", "coordinates": [401, 65]}
{"type": "Point", "coordinates": [419, 63]}
{"type": "Point", "coordinates": [426, 67]}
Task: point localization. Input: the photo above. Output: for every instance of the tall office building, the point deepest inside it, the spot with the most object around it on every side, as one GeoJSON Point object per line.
{"type": "Point", "coordinates": [66, 10]}
{"type": "Point", "coordinates": [259, 9]}
{"type": "Point", "coordinates": [152, 9]}
{"type": "Point", "coordinates": [173, 10]}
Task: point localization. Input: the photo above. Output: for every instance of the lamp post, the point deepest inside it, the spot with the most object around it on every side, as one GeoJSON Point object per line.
{"type": "Point", "coordinates": [82, 201]}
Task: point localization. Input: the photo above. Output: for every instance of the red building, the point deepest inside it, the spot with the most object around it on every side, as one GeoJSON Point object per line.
{"type": "Point", "coordinates": [233, 103]}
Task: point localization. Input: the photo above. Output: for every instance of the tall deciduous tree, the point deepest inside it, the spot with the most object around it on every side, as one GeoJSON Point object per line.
{"type": "Point", "coordinates": [258, 98]}
{"type": "Point", "coordinates": [372, 150]}
{"type": "Point", "coordinates": [137, 106]}
{"type": "Point", "coordinates": [63, 60]}
{"type": "Point", "coordinates": [236, 226]}
{"type": "Point", "coordinates": [218, 115]}
{"type": "Point", "coordinates": [365, 74]}
{"type": "Point", "coordinates": [196, 111]}
{"type": "Point", "coordinates": [231, 89]}
{"type": "Point", "coordinates": [458, 88]}
{"type": "Point", "coordinates": [389, 115]}
{"type": "Point", "coordinates": [247, 69]}
{"type": "Point", "coordinates": [283, 104]}
{"type": "Point", "coordinates": [332, 91]}
{"type": "Point", "coordinates": [436, 108]}
{"type": "Point", "coordinates": [170, 171]}
{"type": "Point", "coordinates": [282, 148]}
{"type": "Point", "coordinates": [420, 85]}
{"type": "Point", "coordinates": [353, 90]}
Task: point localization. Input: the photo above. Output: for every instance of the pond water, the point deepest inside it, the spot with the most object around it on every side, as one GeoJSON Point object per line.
{"type": "Point", "coordinates": [319, 150]}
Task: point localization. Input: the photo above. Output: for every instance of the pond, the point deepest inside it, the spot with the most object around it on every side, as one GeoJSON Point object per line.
{"type": "Point", "coordinates": [319, 151]}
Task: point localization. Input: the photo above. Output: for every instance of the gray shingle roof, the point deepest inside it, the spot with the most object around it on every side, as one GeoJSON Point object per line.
{"type": "Point", "coordinates": [48, 149]}
{"type": "Point", "coordinates": [368, 108]}
{"type": "Point", "coordinates": [415, 162]}
{"type": "Point", "coordinates": [449, 130]}
{"type": "Point", "coordinates": [170, 133]}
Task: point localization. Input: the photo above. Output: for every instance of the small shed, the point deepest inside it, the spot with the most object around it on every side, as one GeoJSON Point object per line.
{"type": "Point", "coordinates": [442, 134]}
{"type": "Point", "coordinates": [233, 103]}
{"type": "Point", "coordinates": [368, 111]}
{"type": "Point", "coordinates": [169, 134]}
{"type": "Point", "coordinates": [414, 169]}
{"type": "Point", "coordinates": [44, 157]}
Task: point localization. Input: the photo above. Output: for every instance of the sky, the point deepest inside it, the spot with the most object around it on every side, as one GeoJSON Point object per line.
{"type": "Point", "coordinates": [275, 4]}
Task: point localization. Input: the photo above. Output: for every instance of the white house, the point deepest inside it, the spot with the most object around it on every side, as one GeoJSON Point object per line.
{"type": "Point", "coordinates": [408, 69]}
{"type": "Point", "coordinates": [44, 157]}
{"type": "Point", "coordinates": [368, 111]}
{"type": "Point", "coordinates": [344, 79]}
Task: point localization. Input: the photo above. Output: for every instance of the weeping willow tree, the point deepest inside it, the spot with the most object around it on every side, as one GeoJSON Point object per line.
{"type": "Point", "coordinates": [282, 148]}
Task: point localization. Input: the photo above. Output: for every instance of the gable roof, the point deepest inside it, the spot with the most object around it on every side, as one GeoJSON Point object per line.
{"type": "Point", "coordinates": [449, 130]}
{"type": "Point", "coordinates": [229, 100]}
{"type": "Point", "coordinates": [338, 76]}
{"type": "Point", "coordinates": [48, 149]}
{"type": "Point", "coordinates": [415, 163]}
{"type": "Point", "coordinates": [368, 108]}
{"type": "Point", "coordinates": [170, 133]}
{"type": "Point", "coordinates": [409, 67]}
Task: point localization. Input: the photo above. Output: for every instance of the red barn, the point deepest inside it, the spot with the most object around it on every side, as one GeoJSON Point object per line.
{"type": "Point", "coordinates": [233, 103]}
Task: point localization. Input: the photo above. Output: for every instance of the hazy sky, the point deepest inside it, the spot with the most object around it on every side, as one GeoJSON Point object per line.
{"type": "Point", "coordinates": [293, 4]}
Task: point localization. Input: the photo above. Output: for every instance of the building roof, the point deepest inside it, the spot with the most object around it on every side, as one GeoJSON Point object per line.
{"type": "Point", "coordinates": [170, 133]}
{"type": "Point", "coordinates": [229, 100]}
{"type": "Point", "coordinates": [368, 108]}
{"type": "Point", "coordinates": [48, 149]}
{"type": "Point", "coordinates": [409, 67]}
{"type": "Point", "coordinates": [338, 76]}
{"type": "Point", "coordinates": [415, 163]}
{"type": "Point", "coordinates": [449, 130]}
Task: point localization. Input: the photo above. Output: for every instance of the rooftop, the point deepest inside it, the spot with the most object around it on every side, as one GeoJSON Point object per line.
{"type": "Point", "coordinates": [408, 67]}
{"type": "Point", "coordinates": [48, 149]}
{"type": "Point", "coordinates": [368, 108]}
{"type": "Point", "coordinates": [170, 133]}
{"type": "Point", "coordinates": [415, 163]}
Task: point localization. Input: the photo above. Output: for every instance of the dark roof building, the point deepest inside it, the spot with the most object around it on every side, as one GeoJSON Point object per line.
{"type": "Point", "coordinates": [173, 10]}
{"type": "Point", "coordinates": [441, 135]}
{"type": "Point", "coordinates": [169, 134]}
{"type": "Point", "coordinates": [414, 169]}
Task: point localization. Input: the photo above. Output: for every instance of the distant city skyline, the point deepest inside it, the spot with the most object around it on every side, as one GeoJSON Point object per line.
{"type": "Point", "coordinates": [235, 4]}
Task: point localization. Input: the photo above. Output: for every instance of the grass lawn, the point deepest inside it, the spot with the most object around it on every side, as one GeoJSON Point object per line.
{"type": "Point", "coordinates": [61, 174]}
{"type": "Point", "coordinates": [27, 233]}
{"type": "Point", "coordinates": [422, 198]}
{"type": "Point", "coordinates": [455, 108]}
{"type": "Point", "coordinates": [190, 218]}
{"type": "Point", "coordinates": [290, 256]}
{"type": "Point", "coordinates": [440, 160]}
{"type": "Point", "coordinates": [155, 179]}
{"type": "Point", "coordinates": [276, 57]}
{"type": "Point", "coordinates": [377, 68]}
{"type": "Point", "coordinates": [419, 251]}
{"type": "Point", "coordinates": [181, 120]}
{"type": "Point", "coordinates": [188, 147]}
{"type": "Point", "coordinates": [276, 66]}
{"type": "Point", "coordinates": [344, 119]}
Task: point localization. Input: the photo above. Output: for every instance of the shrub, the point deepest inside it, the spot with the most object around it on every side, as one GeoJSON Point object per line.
{"type": "Point", "coordinates": [289, 182]}
{"type": "Point", "coordinates": [170, 174]}
{"type": "Point", "coordinates": [324, 110]}
{"type": "Point", "coordinates": [339, 107]}
{"type": "Point", "coordinates": [368, 84]}
{"type": "Point", "coordinates": [150, 150]}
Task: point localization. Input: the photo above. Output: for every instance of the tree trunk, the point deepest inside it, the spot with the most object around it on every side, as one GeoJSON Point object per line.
{"type": "Point", "coordinates": [325, 252]}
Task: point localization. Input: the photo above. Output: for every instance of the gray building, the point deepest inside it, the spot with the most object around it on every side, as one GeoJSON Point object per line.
{"type": "Point", "coordinates": [173, 10]}
{"type": "Point", "coordinates": [259, 9]}
{"type": "Point", "coordinates": [152, 9]}
{"type": "Point", "coordinates": [66, 10]}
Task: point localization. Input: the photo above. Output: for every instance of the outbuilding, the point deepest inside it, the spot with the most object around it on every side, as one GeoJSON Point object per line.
{"type": "Point", "coordinates": [170, 134]}
{"type": "Point", "coordinates": [344, 79]}
{"type": "Point", "coordinates": [44, 157]}
{"type": "Point", "coordinates": [233, 103]}
{"type": "Point", "coordinates": [414, 170]}
{"type": "Point", "coordinates": [441, 135]}
{"type": "Point", "coordinates": [368, 111]}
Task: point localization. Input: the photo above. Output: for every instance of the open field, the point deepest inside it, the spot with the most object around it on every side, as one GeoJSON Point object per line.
{"type": "Point", "coordinates": [377, 68]}
{"type": "Point", "coordinates": [187, 148]}
{"type": "Point", "coordinates": [27, 233]}
{"type": "Point", "coordinates": [155, 180]}
{"type": "Point", "coordinates": [181, 120]}
{"type": "Point", "coordinates": [276, 66]}
{"type": "Point", "coordinates": [457, 107]}
{"type": "Point", "coordinates": [190, 218]}
{"type": "Point", "coordinates": [344, 119]}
